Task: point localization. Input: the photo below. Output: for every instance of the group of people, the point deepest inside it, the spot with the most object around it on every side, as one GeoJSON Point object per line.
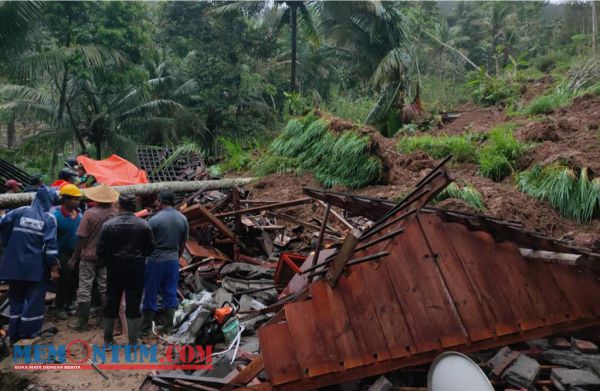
{"type": "Point", "coordinates": [107, 247]}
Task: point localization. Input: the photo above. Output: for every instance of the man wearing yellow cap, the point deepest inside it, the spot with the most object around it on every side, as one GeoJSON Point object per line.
{"type": "Point", "coordinates": [91, 268]}
{"type": "Point", "coordinates": [67, 221]}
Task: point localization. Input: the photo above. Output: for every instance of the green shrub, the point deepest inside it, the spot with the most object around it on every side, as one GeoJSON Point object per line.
{"type": "Point", "coordinates": [572, 196]}
{"type": "Point", "coordinates": [549, 61]}
{"type": "Point", "coordinates": [467, 193]}
{"type": "Point", "coordinates": [544, 104]}
{"type": "Point", "coordinates": [462, 148]}
{"type": "Point", "coordinates": [499, 155]}
{"type": "Point", "coordinates": [236, 157]}
{"type": "Point", "coordinates": [491, 90]}
{"type": "Point", "coordinates": [493, 165]}
{"type": "Point", "coordinates": [336, 159]}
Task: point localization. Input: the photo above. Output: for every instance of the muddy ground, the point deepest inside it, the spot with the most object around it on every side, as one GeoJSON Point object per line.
{"type": "Point", "coordinates": [570, 134]}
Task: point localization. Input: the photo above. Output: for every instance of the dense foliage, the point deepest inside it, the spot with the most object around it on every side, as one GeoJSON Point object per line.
{"type": "Point", "coordinates": [336, 158]}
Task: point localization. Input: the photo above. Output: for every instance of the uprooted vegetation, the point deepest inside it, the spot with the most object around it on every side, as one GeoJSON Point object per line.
{"type": "Point", "coordinates": [467, 193]}
{"type": "Point", "coordinates": [573, 196]}
{"type": "Point", "coordinates": [496, 152]}
{"type": "Point", "coordinates": [347, 157]}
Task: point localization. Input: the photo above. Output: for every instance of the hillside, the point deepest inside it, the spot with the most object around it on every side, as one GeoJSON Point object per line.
{"type": "Point", "coordinates": [569, 135]}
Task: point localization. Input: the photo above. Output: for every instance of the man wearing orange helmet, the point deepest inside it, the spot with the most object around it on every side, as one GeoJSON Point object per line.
{"type": "Point", "coordinates": [67, 221]}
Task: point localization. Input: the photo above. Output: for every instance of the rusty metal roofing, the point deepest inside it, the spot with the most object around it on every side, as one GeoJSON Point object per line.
{"type": "Point", "coordinates": [10, 171]}
{"type": "Point", "coordinates": [444, 283]}
{"type": "Point", "coordinates": [152, 160]}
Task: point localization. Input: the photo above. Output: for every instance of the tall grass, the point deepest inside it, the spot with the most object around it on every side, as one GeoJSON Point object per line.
{"type": "Point", "coordinates": [498, 157]}
{"type": "Point", "coordinates": [462, 148]}
{"type": "Point", "coordinates": [575, 197]}
{"type": "Point", "coordinates": [335, 159]}
{"type": "Point", "coordinates": [467, 193]}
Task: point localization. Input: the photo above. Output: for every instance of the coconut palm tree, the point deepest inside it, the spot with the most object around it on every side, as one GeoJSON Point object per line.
{"type": "Point", "coordinates": [279, 14]}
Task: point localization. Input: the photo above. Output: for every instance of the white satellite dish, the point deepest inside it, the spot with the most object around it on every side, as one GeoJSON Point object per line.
{"type": "Point", "coordinates": [453, 371]}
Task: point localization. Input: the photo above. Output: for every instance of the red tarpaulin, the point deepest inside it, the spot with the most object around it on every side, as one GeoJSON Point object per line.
{"type": "Point", "coordinates": [113, 171]}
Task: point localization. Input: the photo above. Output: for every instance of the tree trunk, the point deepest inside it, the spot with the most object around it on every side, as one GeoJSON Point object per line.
{"type": "Point", "coordinates": [294, 27]}
{"type": "Point", "coordinates": [594, 26]}
{"type": "Point", "coordinates": [11, 132]}
{"type": "Point", "coordinates": [19, 199]}
{"type": "Point", "coordinates": [98, 145]}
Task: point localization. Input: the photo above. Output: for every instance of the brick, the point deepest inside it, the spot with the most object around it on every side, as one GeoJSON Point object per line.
{"type": "Point", "coordinates": [584, 346]}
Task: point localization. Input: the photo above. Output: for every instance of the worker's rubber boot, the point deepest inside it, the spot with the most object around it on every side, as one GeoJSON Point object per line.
{"type": "Point", "coordinates": [102, 303]}
{"type": "Point", "coordinates": [83, 316]}
{"type": "Point", "coordinates": [147, 318]}
{"type": "Point", "coordinates": [169, 320]}
{"type": "Point", "coordinates": [108, 324]}
{"type": "Point", "coordinates": [133, 330]}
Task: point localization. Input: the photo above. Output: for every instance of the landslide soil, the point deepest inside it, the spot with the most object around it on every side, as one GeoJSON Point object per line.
{"type": "Point", "coordinates": [569, 134]}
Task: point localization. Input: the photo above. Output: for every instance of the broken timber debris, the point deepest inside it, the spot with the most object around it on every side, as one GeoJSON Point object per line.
{"type": "Point", "coordinates": [411, 283]}
{"type": "Point", "coordinates": [438, 288]}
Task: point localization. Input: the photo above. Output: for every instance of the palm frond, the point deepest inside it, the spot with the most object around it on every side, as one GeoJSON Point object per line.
{"type": "Point", "coordinates": [154, 107]}
{"type": "Point", "coordinates": [92, 56]}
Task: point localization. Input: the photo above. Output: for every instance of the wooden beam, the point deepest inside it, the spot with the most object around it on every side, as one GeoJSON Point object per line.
{"type": "Point", "coordinates": [342, 257]}
{"type": "Point", "coordinates": [551, 256]}
{"type": "Point", "coordinates": [237, 219]}
{"type": "Point", "coordinates": [208, 215]}
{"type": "Point", "coordinates": [247, 374]}
{"type": "Point", "coordinates": [338, 216]}
{"type": "Point", "coordinates": [300, 222]}
{"type": "Point", "coordinates": [321, 234]}
{"type": "Point", "coordinates": [278, 205]}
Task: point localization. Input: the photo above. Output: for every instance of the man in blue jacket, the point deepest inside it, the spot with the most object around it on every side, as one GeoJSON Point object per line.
{"type": "Point", "coordinates": [29, 235]}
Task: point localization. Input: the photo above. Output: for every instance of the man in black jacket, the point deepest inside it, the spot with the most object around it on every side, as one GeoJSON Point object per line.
{"type": "Point", "coordinates": [125, 242]}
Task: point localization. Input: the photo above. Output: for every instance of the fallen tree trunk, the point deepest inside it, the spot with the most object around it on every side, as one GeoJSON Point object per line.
{"type": "Point", "coordinates": [19, 199]}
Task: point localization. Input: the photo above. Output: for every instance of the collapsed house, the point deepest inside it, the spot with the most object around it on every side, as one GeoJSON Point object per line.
{"type": "Point", "coordinates": [379, 297]}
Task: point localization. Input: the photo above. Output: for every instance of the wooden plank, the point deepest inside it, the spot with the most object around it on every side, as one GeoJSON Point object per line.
{"type": "Point", "coordinates": [278, 205]}
{"type": "Point", "coordinates": [363, 318]}
{"type": "Point", "coordinates": [418, 359]}
{"type": "Point", "coordinates": [235, 201]}
{"type": "Point", "coordinates": [246, 374]}
{"type": "Point", "coordinates": [342, 257]}
{"type": "Point", "coordinates": [316, 354]}
{"type": "Point", "coordinates": [280, 363]}
{"type": "Point", "coordinates": [387, 306]}
{"type": "Point", "coordinates": [523, 294]}
{"type": "Point", "coordinates": [574, 286]}
{"type": "Point", "coordinates": [300, 222]}
{"type": "Point", "coordinates": [321, 234]}
{"type": "Point", "coordinates": [474, 250]}
{"type": "Point", "coordinates": [559, 309]}
{"type": "Point", "coordinates": [543, 302]}
{"type": "Point", "coordinates": [473, 316]}
{"type": "Point", "coordinates": [422, 291]}
{"type": "Point", "coordinates": [332, 316]}
{"type": "Point", "coordinates": [202, 211]}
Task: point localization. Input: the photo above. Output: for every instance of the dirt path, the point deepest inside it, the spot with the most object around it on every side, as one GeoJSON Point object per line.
{"type": "Point", "coordinates": [57, 380]}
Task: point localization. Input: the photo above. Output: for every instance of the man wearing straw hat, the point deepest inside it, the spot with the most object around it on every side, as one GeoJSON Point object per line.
{"type": "Point", "coordinates": [90, 267]}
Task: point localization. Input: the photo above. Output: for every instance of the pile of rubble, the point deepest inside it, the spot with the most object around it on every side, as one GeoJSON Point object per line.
{"type": "Point", "coordinates": [364, 287]}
